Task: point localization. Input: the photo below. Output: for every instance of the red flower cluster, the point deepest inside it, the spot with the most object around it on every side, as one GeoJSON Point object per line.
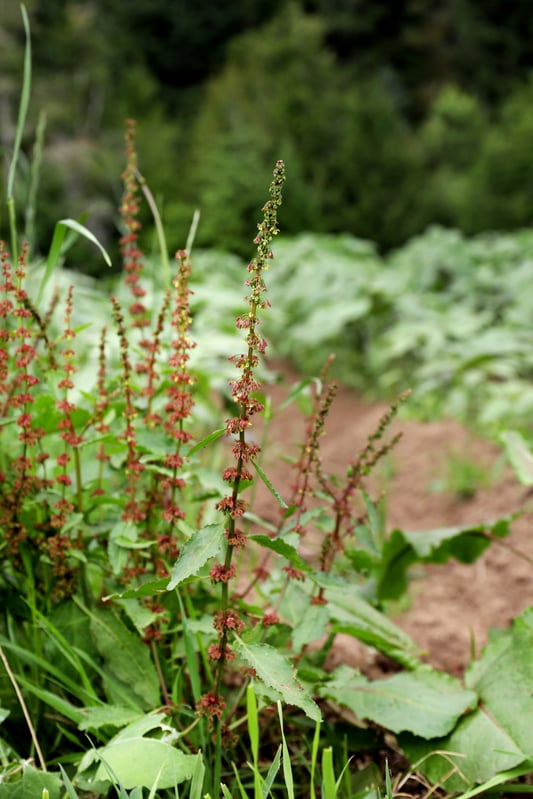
{"type": "Point", "coordinates": [129, 211]}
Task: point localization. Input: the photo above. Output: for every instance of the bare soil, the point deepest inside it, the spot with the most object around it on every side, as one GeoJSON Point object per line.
{"type": "Point", "coordinates": [450, 608]}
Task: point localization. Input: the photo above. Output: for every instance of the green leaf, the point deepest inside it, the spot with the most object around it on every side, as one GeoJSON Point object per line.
{"type": "Point", "coordinates": [56, 246]}
{"type": "Point", "coordinates": [201, 546]}
{"type": "Point", "coordinates": [145, 762]}
{"type": "Point", "coordinates": [499, 735]}
{"type": "Point", "coordinates": [402, 549]}
{"type": "Point", "coordinates": [310, 627]}
{"type": "Point", "coordinates": [117, 548]}
{"type": "Point", "coordinates": [150, 588]}
{"type": "Point", "coordinates": [503, 678]}
{"type": "Point", "coordinates": [283, 548]}
{"type": "Point", "coordinates": [354, 616]}
{"type": "Point", "coordinates": [475, 752]}
{"type": "Point", "coordinates": [426, 703]}
{"type": "Point", "coordinates": [286, 759]}
{"type": "Point", "coordinates": [277, 673]}
{"type": "Point", "coordinates": [126, 657]}
{"type": "Point", "coordinates": [107, 715]}
{"type": "Point", "coordinates": [34, 783]}
{"type": "Point", "coordinates": [275, 493]}
{"type": "Point", "coordinates": [519, 456]}
{"type": "Point", "coordinates": [86, 233]}
{"type": "Point", "coordinates": [207, 440]}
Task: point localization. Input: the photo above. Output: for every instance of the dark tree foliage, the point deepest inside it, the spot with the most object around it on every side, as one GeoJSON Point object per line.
{"type": "Point", "coordinates": [481, 46]}
{"type": "Point", "coordinates": [182, 41]}
{"type": "Point", "coordinates": [391, 115]}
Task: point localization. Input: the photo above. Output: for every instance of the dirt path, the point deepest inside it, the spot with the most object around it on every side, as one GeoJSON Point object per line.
{"type": "Point", "coordinates": [451, 607]}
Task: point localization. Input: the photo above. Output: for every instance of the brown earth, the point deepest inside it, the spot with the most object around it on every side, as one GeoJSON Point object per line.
{"type": "Point", "coordinates": [450, 607]}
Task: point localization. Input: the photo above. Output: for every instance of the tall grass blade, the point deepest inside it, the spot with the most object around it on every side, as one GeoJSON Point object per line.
{"type": "Point", "coordinates": [286, 758]}
{"type": "Point", "coordinates": [242, 792]}
{"type": "Point", "coordinates": [161, 238]}
{"type": "Point", "coordinates": [190, 654]}
{"type": "Point", "coordinates": [314, 759]}
{"type": "Point", "coordinates": [328, 775]}
{"type": "Point", "coordinates": [253, 732]}
{"type": "Point", "coordinates": [23, 111]}
{"type": "Point", "coordinates": [197, 781]}
{"type": "Point", "coordinates": [388, 784]}
{"type": "Point", "coordinates": [67, 651]}
{"type": "Point", "coordinates": [272, 772]}
{"type": "Point", "coordinates": [71, 791]}
{"type": "Point", "coordinates": [192, 230]}
{"type": "Point", "coordinates": [35, 170]}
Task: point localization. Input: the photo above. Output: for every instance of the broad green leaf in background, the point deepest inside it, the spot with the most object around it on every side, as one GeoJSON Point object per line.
{"type": "Point", "coordinates": [402, 549]}
{"type": "Point", "coordinates": [310, 626]}
{"type": "Point", "coordinates": [427, 703]}
{"type": "Point", "coordinates": [201, 546]}
{"type": "Point", "coordinates": [33, 784]}
{"type": "Point", "coordinates": [474, 752]}
{"type": "Point", "coordinates": [123, 537]}
{"type": "Point", "coordinates": [126, 657]}
{"type": "Point", "coordinates": [277, 673]}
{"type": "Point", "coordinates": [499, 734]}
{"type": "Point", "coordinates": [503, 678]}
{"type": "Point", "coordinates": [136, 760]}
{"type": "Point", "coordinates": [519, 455]}
{"type": "Point", "coordinates": [352, 615]}
{"type": "Point", "coordinates": [146, 762]}
{"type": "Point", "coordinates": [140, 616]}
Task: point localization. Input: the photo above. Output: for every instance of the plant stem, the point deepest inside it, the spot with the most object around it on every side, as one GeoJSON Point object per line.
{"type": "Point", "coordinates": [24, 708]}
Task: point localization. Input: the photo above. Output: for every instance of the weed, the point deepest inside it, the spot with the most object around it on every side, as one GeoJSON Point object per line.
{"type": "Point", "coordinates": [121, 526]}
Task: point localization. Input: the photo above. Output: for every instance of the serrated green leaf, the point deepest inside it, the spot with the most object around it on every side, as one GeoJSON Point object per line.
{"type": "Point", "coordinates": [426, 703]}
{"type": "Point", "coordinates": [277, 673]}
{"type": "Point", "coordinates": [203, 545]}
{"type": "Point", "coordinates": [107, 715]}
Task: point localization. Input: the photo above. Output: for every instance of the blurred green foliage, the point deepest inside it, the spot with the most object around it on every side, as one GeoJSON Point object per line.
{"type": "Point", "coordinates": [390, 117]}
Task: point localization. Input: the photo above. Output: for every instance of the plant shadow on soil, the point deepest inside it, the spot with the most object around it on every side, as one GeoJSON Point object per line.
{"type": "Point", "coordinates": [451, 607]}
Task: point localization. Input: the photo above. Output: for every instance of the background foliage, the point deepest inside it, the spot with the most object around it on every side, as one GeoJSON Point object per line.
{"type": "Point", "coordinates": [389, 117]}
